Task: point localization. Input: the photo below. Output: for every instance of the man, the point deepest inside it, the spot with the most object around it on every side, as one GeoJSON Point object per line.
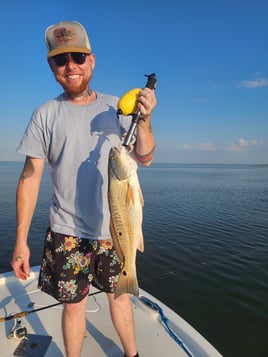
{"type": "Point", "coordinates": [74, 133]}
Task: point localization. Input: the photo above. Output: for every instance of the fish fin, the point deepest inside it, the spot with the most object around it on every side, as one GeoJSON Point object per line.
{"type": "Point", "coordinates": [131, 193]}
{"type": "Point", "coordinates": [140, 245]}
{"type": "Point", "coordinates": [116, 244]}
{"type": "Point", "coordinates": [127, 283]}
{"type": "Point", "coordinates": [141, 197]}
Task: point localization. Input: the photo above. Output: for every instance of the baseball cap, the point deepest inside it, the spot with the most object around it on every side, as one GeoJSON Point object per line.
{"type": "Point", "coordinates": [66, 36]}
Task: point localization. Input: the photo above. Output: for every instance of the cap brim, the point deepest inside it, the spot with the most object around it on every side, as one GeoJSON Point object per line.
{"type": "Point", "coordinates": [58, 51]}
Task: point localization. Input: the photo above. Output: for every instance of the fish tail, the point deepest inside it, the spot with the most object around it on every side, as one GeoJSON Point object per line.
{"type": "Point", "coordinates": [127, 283]}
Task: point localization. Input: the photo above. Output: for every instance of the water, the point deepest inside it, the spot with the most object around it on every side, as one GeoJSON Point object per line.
{"type": "Point", "coordinates": [205, 230]}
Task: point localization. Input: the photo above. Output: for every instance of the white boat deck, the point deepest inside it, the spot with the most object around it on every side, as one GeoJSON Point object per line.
{"type": "Point", "coordinates": [101, 339]}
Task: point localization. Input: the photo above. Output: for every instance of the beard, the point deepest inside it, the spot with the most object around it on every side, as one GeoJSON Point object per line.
{"type": "Point", "coordinates": [73, 91]}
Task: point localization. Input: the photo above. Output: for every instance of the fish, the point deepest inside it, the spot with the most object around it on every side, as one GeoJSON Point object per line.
{"type": "Point", "coordinates": [126, 205]}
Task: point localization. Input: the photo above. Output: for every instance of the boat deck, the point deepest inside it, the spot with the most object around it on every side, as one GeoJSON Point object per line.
{"type": "Point", "coordinates": [100, 340]}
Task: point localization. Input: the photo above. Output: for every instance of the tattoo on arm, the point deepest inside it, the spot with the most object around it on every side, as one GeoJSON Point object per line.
{"type": "Point", "coordinates": [28, 169]}
{"type": "Point", "coordinates": [148, 127]}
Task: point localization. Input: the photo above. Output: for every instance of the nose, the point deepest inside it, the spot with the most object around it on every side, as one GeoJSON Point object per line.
{"type": "Point", "coordinates": [69, 59]}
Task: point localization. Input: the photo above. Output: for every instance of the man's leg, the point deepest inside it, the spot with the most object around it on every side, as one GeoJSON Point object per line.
{"type": "Point", "coordinates": [74, 315]}
{"type": "Point", "coordinates": [123, 320]}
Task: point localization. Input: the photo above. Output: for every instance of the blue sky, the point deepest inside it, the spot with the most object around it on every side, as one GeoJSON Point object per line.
{"type": "Point", "coordinates": [210, 58]}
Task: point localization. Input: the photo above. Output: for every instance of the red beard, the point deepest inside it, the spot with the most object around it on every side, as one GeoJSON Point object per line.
{"type": "Point", "coordinates": [73, 91]}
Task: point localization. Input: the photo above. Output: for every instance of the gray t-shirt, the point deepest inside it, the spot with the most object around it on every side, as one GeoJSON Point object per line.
{"type": "Point", "coordinates": [76, 141]}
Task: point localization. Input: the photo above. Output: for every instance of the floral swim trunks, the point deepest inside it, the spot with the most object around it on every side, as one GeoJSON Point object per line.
{"type": "Point", "coordinates": [71, 264]}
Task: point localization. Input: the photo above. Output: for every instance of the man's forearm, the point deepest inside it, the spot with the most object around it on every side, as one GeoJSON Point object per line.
{"type": "Point", "coordinates": [145, 143]}
{"type": "Point", "coordinates": [26, 197]}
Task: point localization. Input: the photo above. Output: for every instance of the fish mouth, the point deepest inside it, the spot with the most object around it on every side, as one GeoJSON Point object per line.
{"type": "Point", "coordinates": [121, 164]}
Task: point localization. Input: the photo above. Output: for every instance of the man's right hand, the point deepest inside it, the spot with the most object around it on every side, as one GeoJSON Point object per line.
{"type": "Point", "coordinates": [20, 262]}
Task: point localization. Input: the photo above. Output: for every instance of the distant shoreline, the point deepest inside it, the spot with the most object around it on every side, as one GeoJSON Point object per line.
{"type": "Point", "coordinates": [172, 163]}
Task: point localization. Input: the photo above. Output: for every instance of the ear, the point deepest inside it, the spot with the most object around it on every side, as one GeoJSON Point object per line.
{"type": "Point", "coordinates": [92, 59]}
{"type": "Point", "coordinates": [51, 64]}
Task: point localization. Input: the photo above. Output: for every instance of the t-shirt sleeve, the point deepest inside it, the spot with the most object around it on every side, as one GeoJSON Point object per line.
{"type": "Point", "coordinates": [34, 142]}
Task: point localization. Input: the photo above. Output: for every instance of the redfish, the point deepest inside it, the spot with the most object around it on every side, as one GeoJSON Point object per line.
{"type": "Point", "coordinates": [126, 204]}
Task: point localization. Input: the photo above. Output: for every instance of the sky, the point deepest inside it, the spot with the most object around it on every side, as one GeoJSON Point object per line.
{"type": "Point", "coordinates": [210, 58]}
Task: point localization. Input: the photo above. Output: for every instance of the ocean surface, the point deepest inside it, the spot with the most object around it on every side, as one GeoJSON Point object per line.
{"type": "Point", "coordinates": [206, 246]}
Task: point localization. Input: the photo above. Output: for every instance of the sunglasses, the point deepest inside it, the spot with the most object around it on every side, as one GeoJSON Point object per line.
{"type": "Point", "coordinates": [77, 57]}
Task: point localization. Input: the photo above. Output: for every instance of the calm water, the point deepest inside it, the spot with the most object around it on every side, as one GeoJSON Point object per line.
{"type": "Point", "coordinates": [206, 246]}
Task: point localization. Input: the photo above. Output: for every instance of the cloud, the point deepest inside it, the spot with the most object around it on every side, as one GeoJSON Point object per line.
{"type": "Point", "coordinates": [255, 83]}
{"type": "Point", "coordinates": [199, 147]}
{"type": "Point", "coordinates": [234, 146]}
{"type": "Point", "coordinates": [241, 144]}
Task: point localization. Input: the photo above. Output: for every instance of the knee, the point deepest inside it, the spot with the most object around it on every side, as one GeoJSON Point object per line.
{"type": "Point", "coordinates": [74, 308]}
{"type": "Point", "coordinates": [122, 299]}
{"type": "Point", "coordinates": [121, 302]}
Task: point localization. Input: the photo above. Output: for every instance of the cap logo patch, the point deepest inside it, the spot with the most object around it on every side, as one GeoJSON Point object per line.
{"type": "Point", "coordinates": [64, 36]}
